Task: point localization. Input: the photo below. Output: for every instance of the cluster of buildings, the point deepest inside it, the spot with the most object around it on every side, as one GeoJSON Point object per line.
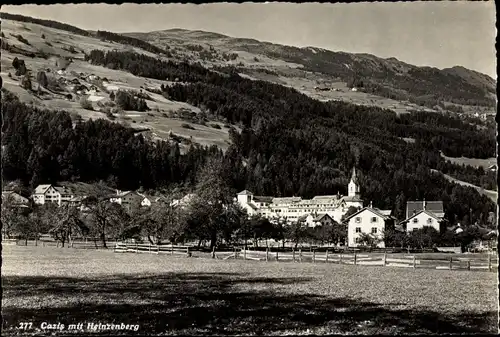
{"type": "Point", "coordinates": [330, 209]}
{"type": "Point", "coordinates": [62, 195]}
{"type": "Point", "coordinates": [320, 210]}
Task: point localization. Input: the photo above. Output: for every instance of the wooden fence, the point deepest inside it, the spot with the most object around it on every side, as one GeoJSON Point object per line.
{"type": "Point", "coordinates": [387, 260]}
{"type": "Point", "coordinates": [171, 249]}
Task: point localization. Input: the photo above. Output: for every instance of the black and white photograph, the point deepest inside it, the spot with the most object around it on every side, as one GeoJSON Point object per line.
{"type": "Point", "coordinates": [243, 169]}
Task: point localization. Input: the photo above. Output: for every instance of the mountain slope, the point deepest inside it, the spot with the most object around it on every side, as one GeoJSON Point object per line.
{"type": "Point", "coordinates": [386, 77]}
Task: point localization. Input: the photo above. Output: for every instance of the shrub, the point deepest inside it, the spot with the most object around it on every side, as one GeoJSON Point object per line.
{"type": "Point", "coordinates": [26, 82]}
{"type": "Point", "coordinates": [48, 43]}
{"type": "Point", "coordinates": [22, 39]}
{"type": "Point", "coordinates": [163, 114]}
{"type": "Point", "coordinates": [15, 63]}
{"type": "Point", "coordinates": [43, 36]}
{"type": "Point", "coordinates": [41, 78]}
{"type": "Point", "coordinates": [187, 126]}
{"type": "Point", "coordinates": [215, 126]}
{"type": "Point", "coordinates": [110, 115]}
{"type": "Point", "coordinates": [86, 104]}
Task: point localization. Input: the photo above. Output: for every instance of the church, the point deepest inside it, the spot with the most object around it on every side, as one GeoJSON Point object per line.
{"type": "Point", "coordinates": [292, 208]}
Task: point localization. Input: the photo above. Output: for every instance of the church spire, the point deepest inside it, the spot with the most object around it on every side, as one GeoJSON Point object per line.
{"type": "Point", "coordinates": [354, 177]}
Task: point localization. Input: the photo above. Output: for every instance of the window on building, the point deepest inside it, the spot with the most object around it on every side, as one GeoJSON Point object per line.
{"type": "Point", "coordinates": [374, 230]}
{"type": "Point", "coordinates": [415, 220]}
{"type": "Point", "coordinates": [358, 219]}
{"type": "Point", "coordinates": [358, 229]}
{"type": "Point", "coordinates": [374, 219]}
{"type": "Point", "coordinates": [356, 240]}
{"type": "Point", "coordinates": [429, 221]}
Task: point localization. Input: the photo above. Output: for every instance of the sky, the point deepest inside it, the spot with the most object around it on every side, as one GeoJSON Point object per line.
{"type": "Point", "coordinates": [438, 34]}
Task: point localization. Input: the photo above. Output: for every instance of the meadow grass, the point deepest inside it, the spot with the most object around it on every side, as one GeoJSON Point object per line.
{"type": "Point", "coordinates": [168, 295]}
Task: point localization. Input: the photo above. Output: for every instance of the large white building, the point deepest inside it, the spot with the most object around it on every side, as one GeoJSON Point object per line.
{"type": "Point", "coordinates": [292, 208]}
{"type": "Point", "coordinates": [51, 194]}
{"type": "Point", "coordinates": [368, 220]}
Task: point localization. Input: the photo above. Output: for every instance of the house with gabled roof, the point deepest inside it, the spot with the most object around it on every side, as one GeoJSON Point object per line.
{"type": "Point", "coordinates": [368, 220]}
{"type": "Point", "coordinates": [48, 193]}
{"type": "Point", "coordinates": [424, 213]}
{"type": "Point", "coordinates": [15, 199]}
{"type": "Point", "coordinates": [128, 199]}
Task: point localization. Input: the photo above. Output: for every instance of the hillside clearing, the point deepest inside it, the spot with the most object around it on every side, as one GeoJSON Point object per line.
{"type": "Point", "coordinates": [493, 195]}
{"type": "Point", "coordinates": [169, 295]}
{"type": "Point", "coordinates": [484, 163]}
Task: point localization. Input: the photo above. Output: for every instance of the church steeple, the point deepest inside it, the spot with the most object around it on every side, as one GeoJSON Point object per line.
{"type": "Point", "coordinates": [353, 188]}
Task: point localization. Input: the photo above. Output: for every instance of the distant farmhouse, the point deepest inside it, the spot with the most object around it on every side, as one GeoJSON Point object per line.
{"type": "Point", "coordinates": [293, 208]}
{"type": "Point", "coordinates": [424, 213]}
{"type": "Point", "coordinates": [15, 199]}
{"type": "Point", "coordinates": [51, 194]}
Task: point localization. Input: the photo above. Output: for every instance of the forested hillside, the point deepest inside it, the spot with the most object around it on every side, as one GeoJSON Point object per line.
{"type": "Point", "coordinates": [290, 143]}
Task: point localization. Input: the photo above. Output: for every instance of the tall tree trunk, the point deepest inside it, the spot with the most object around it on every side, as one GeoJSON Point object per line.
{"type": "Point", "coordinates": [213, 240]}
{"type": "Point", "coordinates": [199, 242]}
{"type": "Point", "coordinates": [103, 239]}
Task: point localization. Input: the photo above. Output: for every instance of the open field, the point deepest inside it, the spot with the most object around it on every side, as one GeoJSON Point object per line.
{"type": "Point", "coordinates": [493, 195]}
{"type": "Point", "coordinates": [484, 163]}
{"type": "Point", "coordinates": [171, 295]}
{"type": "Point", "coordinates": [156, 119]}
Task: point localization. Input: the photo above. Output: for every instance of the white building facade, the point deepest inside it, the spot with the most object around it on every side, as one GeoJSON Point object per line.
{"type": "Point", "coordinates": [293, 208]}
{"type": "Point", "coordinates": [51, 194]}
{"type": "Point", "coordinates": [370, 221]}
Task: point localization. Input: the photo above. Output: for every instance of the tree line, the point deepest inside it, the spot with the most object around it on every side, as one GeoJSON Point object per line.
{"type": "Point", "coordinates": [131, 41]}
{"type": "Point", "coordinates": [46, 23]}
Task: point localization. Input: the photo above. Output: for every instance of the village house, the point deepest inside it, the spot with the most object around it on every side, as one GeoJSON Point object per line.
{"type": "Point", "coordinates": [368, 220]}
{"type": "Point", "coordinates": [78, 201]}
{"type": "Point", "coordinates": [313, 220]}
{"type": "Point", "coordinates": [128, 199]}
{"type": "Point", "coordinates": [51, 194]}
{"type": "Point", "coordinates": [183, 202]}
{"type": "Point", "coordinates": [424, 213]}
{"type": "Point", "coordinates": [293, 208]}
{"type": "Point", "coordinates": [15, 199]}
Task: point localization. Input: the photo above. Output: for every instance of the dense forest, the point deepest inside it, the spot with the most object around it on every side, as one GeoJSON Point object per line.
{"type": "Point", "coordinates": [46, 23]}
{"type": "Point", "coordinates": [108, 36]}
{"type": "Point", "coordinates": [88, 151]}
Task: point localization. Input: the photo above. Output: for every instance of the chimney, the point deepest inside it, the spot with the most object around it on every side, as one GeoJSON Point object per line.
{"type": "Point", "coordinates": [371, 204]}
{"type": "Point", "coordinates": [424, 204]}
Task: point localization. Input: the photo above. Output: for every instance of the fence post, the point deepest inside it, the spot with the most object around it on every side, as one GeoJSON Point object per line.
{"type": "Point", "coordinates": [171, 248]}
{"type": "Point", "coordinates": [267, 254]}
{"type": "Point", "coordinates": [213, 252]}
{"type": "Point", "coordinates": [293, 254]}
{"type": "Point", "coordinates": [314, 255]}
{"type": "Point", "coordinates": [277, 258]}
{"type": "Point", "coordinates": [300, 255]}
{"type": "Point", "coordinates": [414, 262]}
{"type": "Point", "coordinates": [355, 258]}
{"type": "Point", "coordinates": [340, 261]}
{"type": "Point", "coordinates": [489, 261]}
{"type": "Point", "coordinates": [244, 253]}
{"type": "Point", "coordinates": [451, 262]}
{"type": "Point", "coordinates": [385, 259]}
{"type": "Point", "coordinates": [187, 252]}
{"type": "Point", "coordinates": [326, 258]}
{"type": "Point", "coordinates": [150, 248]}
{"type": "Point", "coordinates": [157, 249]}
{"type": "Point", "coordinates": [468, 264]}
{"type": "Point", "coordinates": [136, 248]}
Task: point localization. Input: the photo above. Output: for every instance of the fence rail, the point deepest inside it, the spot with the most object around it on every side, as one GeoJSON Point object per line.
{"type": "Point", "coordinates": [408, 261]}
{"type": "Point", "coordinates": [152, 249]}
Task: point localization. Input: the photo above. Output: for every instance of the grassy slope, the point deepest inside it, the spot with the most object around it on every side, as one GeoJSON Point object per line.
{"type": "Point", "coordinates": [248, 49]}
{"type": "Point", "coordinates": [154, 119]}
{"type": "Point", "coordinates": [493, 195]}
{"type": "Point", "coordinates": [169, 295]}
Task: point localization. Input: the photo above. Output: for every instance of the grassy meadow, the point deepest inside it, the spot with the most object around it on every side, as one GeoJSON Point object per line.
{"type": "Point", "coordinates": [168, 295]}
